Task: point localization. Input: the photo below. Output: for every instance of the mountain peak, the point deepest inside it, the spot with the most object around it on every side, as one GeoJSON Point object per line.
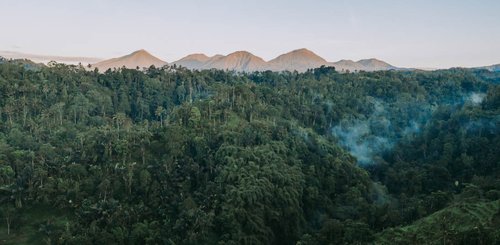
{"type": "Point", "coordinates": [375, 64]}
{"type": "Point", "coordinates": [298, 60]}
{"type": "Point", "coordinates": [140, 58]}
{"type": "Point", "coordinates": [241, 53]}
{"type": "Point", "coordinates": [193, 61]}
{"type": "Point", "coordinates": [141, 52]}
{"type": "Point", "coordinates": [238, 61]}
{"type": "Point", "coordinates": [197, 56]}
{"type": "Point", "coordinates": [371, 64]}
{"type": "Point", "coordinates": [303, 51]}
{"type": "Point", "coordinates": [370, 60]}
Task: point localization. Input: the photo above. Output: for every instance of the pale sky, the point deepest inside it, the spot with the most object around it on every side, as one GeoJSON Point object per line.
{"type": "Point", "coordinates": [424, 33]}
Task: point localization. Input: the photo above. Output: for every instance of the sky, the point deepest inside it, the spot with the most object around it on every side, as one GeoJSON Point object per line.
{"type": "Point", "coordinates": [404, 33]}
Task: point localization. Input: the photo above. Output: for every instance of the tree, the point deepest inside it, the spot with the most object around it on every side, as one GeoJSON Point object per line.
{"type": "Point", "coordinates": [160, 112]}
{"type": "Point", "coordinates": [10, 215]}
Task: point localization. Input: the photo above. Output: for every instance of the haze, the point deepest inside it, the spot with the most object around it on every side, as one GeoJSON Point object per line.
{"type": "Point", "coordinates": [437, 34]}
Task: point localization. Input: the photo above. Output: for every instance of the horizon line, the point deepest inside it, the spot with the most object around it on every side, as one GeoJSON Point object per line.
{"type": "Point", "coordinates": [46, 58]}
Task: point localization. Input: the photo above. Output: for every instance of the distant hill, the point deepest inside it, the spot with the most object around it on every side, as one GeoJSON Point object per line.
{"type": "Point", "coordinates": [298, 60]}
{"type": "Point", "coordinates": [140, 58]}
{"type": "Point", "coordinates": [346, 65]}
{"type": "Point", "coordinates": [237, 61]}
{"type": "Point", "coordinates": [28, 64]}
{"type": "Point", "coordinates": [193, 61]}
{"type": "Point", "coordinates": [47, 58]}
{"type": "Point", "coordinates": [375, 65]}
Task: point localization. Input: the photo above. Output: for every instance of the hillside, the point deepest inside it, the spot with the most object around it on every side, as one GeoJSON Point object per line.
{"type": "Point", "coordinates": [362, 65]}
{"type": "Point", "coordinates": [298, 60]}
{"type": "Point", "coordinates": [140, 58]}
{"type": "Point", "coordinates": [237, 61]}
{"type": "Point", "coordinates": [174, 156]}
{"type": "Point", "coordinates": [193, 61]}
{"type": "Point", "coordinates": [495, 68]}
{"type": "Point", "coordinates": [375, 65]}
{"type": "Point", "coordinates": [346, 65]}
{"type": "Point", "coordinates": [461, 223]}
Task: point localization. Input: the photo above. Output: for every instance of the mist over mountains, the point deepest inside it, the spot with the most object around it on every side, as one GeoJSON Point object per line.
{"type": "Point", "coordinates": [72, 60]}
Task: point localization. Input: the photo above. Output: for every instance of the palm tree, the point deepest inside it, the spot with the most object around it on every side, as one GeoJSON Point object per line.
{"type": "Point", "coordinates": [160, 111]}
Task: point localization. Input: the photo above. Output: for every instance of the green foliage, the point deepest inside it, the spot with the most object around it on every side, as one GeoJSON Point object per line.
{"type": "Point", "coordinates": [172, 156]}
{"type": "Point", "coordinates": [463, 223]}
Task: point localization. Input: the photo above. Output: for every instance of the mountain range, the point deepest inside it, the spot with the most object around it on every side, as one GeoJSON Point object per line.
{"type": "Point", "coordinates": [297, 60]}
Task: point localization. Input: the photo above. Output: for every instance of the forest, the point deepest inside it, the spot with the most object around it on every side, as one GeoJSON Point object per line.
{"type": "Point", "coordinates": [173, 156]}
